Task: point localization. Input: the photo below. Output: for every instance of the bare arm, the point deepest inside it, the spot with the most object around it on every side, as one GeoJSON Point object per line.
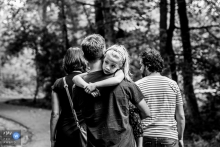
{"type": "Point", "coordinates": [54, 117]}
{"type": "Point", "coordinates": [180, 118]}
{"type": "Point", "coordinates": [119, 76]}
{"type": "Point", "coordinates": [79, 81]}
{"type": "Point", "coordinates": [144, 109]}
{"type": "Point", "coordinates": [139, 141]}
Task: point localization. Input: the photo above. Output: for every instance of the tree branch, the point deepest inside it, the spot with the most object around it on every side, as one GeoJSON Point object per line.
{"type": "Point", "coordinates": [215, 37]}
{"type": "Point", "coordinates": [201, 27]}
{"type": "Point", "coordinates": [84, 3]}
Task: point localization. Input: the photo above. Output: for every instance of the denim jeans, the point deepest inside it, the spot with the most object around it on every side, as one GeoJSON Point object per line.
{"type": "Point", "coordinates": [159, 142]}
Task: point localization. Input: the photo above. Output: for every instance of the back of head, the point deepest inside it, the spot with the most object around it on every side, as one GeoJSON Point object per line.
{"type": "Point", "coordinates": [74, 60]}
{"type": "Point", "coordinates": [93, 47]}
{"type": "Point", "coordinates": [153, 60]}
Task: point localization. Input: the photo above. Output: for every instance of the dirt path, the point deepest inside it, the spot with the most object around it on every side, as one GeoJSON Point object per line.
{"type": "Point", "coordinates": [34, 120]}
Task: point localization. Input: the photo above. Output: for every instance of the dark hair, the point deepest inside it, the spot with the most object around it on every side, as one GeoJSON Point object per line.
{"type": "Point", "coordinates": [153, 60]}
{"type": "Point", "coordinates": [74, 60]}
{"type": "Point", "coordinates": [93, 47]}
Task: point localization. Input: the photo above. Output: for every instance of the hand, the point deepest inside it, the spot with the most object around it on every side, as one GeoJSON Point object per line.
{"type": "Point", "coordinates": [95, 93]}
{"type": "Point", "coordinates": [181, 144]}
{"type": "Point", "coordinates": [53, 143]}
{"type": "Point", "coordinates": [90, 88]}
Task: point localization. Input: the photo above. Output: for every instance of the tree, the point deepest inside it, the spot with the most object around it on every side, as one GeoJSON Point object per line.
{"type": "Point", "coordinates": [188, 64]}
{"type": "Point", "coordinates": [169, 45]}
{"type": "Point", "coordinates": [166, 37]}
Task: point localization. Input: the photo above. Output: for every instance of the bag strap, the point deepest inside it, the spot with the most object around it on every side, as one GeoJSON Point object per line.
{"type": "Point", "coordinates": [71, 102]}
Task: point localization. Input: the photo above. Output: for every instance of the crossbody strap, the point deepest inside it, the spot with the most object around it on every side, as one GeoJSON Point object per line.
{"type": "Point", "coordinates": [71, 102]}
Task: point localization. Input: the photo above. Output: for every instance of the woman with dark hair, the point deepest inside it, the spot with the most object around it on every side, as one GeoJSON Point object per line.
{"type": "Point", "coordinates": [166, 125]}
{"type": "Point", "coordinates": [64, 131]}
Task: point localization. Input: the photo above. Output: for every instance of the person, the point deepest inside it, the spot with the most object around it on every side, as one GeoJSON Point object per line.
{"type": "Point", "coordinates": [116, 61]}
{"type": "Point", "coordinates": [107, 116]}
{"type": "Point", "coordinates": [63, 129]}
{"type": "Point", "coordinates": [167, 122]}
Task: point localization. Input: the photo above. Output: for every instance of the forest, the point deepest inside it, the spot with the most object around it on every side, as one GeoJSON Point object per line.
{"type": "Point", "coordinates": [35, 34]}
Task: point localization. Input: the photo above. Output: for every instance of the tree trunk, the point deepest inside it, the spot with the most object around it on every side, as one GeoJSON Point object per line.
{"type": "Point", "coordinates": [109, 23]}
{"type": "Point", "coordinates": [163, 36]}
{"type": "Point", "coordinates": [104, 20]}
{"type": "Point", "coordinates": [37, 86]}
{"type": "Point", "coordinates": [169, 45]}
{"type": "Point", "coordinates": [187, 70]}
{"type": "Point", "coordinates": [44, 11]}
{"type": "Point", "coordinates": [63, 25]}
{"type": "Point", "coordinates": [37, 74]}
{"type": "Point", "coordinates": [99, 17]}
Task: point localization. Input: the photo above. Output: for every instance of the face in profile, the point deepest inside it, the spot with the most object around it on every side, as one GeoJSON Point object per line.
{"type": "Point", "coordinates": [110, 63]}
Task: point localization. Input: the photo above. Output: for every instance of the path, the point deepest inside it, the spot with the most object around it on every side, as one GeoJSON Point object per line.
{"type": "Point", "coordinates": [34, 123]}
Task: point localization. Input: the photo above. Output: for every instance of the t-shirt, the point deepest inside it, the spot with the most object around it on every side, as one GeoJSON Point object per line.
{"type": "Point", "coordinates": [107, 116]}
{"type": "Point", "coordinates": [66, 120]}
{"type": "Point", "coordinates": [162, 95]}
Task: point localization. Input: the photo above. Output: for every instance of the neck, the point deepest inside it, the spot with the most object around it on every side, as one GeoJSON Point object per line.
{"type": "Point", "coordinates": [95, 66]}
{"type": "Point", "coordinates": [154, 74]}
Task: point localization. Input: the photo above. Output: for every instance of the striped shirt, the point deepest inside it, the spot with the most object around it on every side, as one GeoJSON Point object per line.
{"type": "Point", "coordinates": [162, 95]}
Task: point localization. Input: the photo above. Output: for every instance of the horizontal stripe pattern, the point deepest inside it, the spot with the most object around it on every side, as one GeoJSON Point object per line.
{"type": "Point", "coordinates": [162, 95]}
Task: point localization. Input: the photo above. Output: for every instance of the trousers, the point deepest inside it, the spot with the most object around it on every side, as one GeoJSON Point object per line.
{"type": "Point", "coordinates": [159, 142]}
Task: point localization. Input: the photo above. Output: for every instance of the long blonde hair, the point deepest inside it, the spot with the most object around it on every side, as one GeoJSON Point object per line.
{"type": "Point", "coordinates": [122, 51]}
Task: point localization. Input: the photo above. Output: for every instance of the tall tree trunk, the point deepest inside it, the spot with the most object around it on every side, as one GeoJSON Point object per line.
{"type": "Point", "coordinates": [109, 23]}
{"type": "Point", "coordinates": [169, 45]}
{"type": "Point", "coordinates": [44, 11]}
{"type": "Point", "coordinates": [104, 20]}
{"type": "Point", "coordinates": [37, 74]}
{"type": "Point", "coordinates": [187, 67]}
{"type": "Point", "coordinates": [163, 35]}
{"type": "Point", "coordinates": [99, 17]}
{"type": "Point", "coordinates": [37, 84]}
{"type": "Point", "coordinates": [63, 25]}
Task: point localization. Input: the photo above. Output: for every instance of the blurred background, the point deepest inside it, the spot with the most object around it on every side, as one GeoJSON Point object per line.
{"type": "Point", "coordinates": [35, 34]}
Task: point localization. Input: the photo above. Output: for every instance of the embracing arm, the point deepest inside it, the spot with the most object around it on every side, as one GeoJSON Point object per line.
{"type": "Point", "coordinates": [54, 117]}
{"type": "Point", "coordinates": [144, 109]}
{"type": "Point", "coordinates": [78, 80]}
{"type": "Point", "coordinates": [180, 118]}
{"type": "Point", "coordinates": [119, 76]}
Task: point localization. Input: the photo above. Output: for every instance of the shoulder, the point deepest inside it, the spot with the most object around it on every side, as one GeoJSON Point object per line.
{"type": "Point", "coordinates": [127, 85]}
{"type": "Point", "coordinates": [143, 80]}
{"type": "Point", "coordinates": [57, 84]}
{"type": "Point", "coordinates": [170, 81]}
{"type": "Point", "coordinates": [173, 84]}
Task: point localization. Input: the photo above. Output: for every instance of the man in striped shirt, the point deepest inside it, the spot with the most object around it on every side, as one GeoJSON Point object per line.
{"type": "Point", "coordinates": [166, 125]}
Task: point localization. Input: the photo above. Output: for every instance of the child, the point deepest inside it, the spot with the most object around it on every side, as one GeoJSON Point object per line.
{"type": "Point", "coordinates": [116, 61]}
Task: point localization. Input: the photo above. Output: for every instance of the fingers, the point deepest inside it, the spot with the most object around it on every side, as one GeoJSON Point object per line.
{"type": "Point", "coordinates": [87, 90]}
{"type": "Point", "coordinates": [94, 94]}
{"type": "Point", "coordinates": [98, 92]}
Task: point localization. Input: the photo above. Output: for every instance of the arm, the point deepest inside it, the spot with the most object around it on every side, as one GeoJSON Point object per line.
{"type": "Point", "coordinates": [135, 121]}
{"type": "Point", "coordinates": [119, 76]}
{"type": "Point", "coordinates": [54, 117]}
{"type": "Point", "coordinates": [144, 109]}
{"type": "Point", "coordinates": [180, 118]}
{"type": "Point", "coordinates": [139, 141]}
{"type": "Point", "coordinates": [79, 81]}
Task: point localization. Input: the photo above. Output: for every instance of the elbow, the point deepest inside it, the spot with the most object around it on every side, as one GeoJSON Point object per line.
{"type": "Point", "coordinates": [118, 81]}
{"type": "Point", "coordinates": [74, 79]}
{"type": "Point", "coordinates": [181, 118]}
